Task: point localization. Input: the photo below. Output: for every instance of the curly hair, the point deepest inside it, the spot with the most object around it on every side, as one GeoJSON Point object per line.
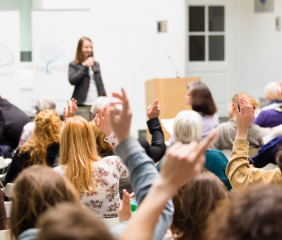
{"type": "Point", "coordinates": [46, 132]}
{"type": "Point", "coordinates": [193, 204]}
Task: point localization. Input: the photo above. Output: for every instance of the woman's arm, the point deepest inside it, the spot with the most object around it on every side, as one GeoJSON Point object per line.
{"type": "Point", "coordinates": [76, 75]}
{"type": "Point", "coordinates": [238, 169]}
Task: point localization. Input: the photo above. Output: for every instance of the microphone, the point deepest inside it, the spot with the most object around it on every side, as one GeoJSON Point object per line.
{"type": "Point", "coordinates": [90, 68]}
{"type": "Point", "coordinates": [176, 72]}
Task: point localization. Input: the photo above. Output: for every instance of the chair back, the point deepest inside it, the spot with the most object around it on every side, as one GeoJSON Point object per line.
{"type": "Point", "coordinates": [8, 206]}
{"type": "Point", "coordinates": [111, 222]}
{"type": "Point", "coordinates": [5, 235]}
{"type": "Point", "coordinates": [8, 189]}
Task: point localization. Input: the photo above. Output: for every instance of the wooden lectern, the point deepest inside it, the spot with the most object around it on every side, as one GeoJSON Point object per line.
{"type": "Point", "coordinates": [171, 93]}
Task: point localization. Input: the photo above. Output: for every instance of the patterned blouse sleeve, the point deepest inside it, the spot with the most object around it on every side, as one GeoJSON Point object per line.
{"type": "Point", "coordinates": [112, 140]}
{"type": "Point", "coordinates": [121, 168]}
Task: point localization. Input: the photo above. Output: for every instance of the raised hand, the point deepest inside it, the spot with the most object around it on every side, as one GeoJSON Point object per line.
{"type": "Point", "coordinates": [71, 109]}
{"type": "Point", "coordinates": [183, 162]}
{"type": "Point", "coordinates": [120, 124]}
{"type": "Point", "coordinates": [154, 112]}
{"type": "Point", "coordinates": [102, 121]}
{"type": "Point", "coordinates": [124, 211]}
{"type": "Point", "coordinates": [244, 118]}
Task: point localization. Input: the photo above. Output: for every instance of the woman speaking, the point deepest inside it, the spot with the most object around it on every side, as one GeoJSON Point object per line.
{"type": "Point", "coordinates": [85, 75]}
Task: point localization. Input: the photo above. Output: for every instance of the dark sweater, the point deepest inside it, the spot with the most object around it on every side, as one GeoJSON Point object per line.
{"type": "Point", "coordinates": [12, 121]}
{"type": "Point", "coordinates": [21, 162]}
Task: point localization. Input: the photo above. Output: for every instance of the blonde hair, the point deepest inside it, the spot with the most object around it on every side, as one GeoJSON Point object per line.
{"type": "Point", "coordinates": [187, 126]}
{"type": "Point", "coordinates": [102, 146]}
{"type": "Point", "coordinates": [270, 90]}
{"type": "Point", "coordinates": [46, 132]}
{"type": "Point", "coordinates": [78, 150]}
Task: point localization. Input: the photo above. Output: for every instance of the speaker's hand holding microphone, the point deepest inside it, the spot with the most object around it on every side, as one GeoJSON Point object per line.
{"type": "Point", "coordinates": [89, 63]}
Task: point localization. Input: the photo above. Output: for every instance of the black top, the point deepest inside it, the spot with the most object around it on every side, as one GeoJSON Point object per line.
{"type": "Point", "coordinates": [79, 76]}
{"type": "Point", "coordinates": [12, 121]}
{"type": "Point", "coordinates": [157, 148]}
{"type": "Point", "coordinates": [21, 162]}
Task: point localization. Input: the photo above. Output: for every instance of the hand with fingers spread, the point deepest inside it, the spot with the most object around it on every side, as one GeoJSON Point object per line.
{"type": "Point", "coordinates": [244, 118]}
{"type": "Point", "coordinates": [102, 121]}
{"type": "Point", "coordinates": [124, 211]}
{"type": "Point", "coordinates": [183, 162]}
{"type": "Point", "coordinates": [154, 112]}
{"type": "Point", "coordinates": [120, 124]}
{"type": "Point", "coordinates": [71, 110]}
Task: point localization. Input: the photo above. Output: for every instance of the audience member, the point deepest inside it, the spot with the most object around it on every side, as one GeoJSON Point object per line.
{"type": "Point", "coordinates": [238, 169]}
{"type": "Point", "coordinates": [95, 178]}
{"type": "Point", "coordinates": [12, 120]}
{"type": "Point", "coordinates": [42, 147]}
{"type": "Point", "coordinates": [254, 214]}
{"type": "Point", "coordinates": [99, 103]}
{"type": "Point", "coordinates": [44, 103]}
{"type": "Point", "coordinates": [68, 222]}
{"type": "Point", "coordinates": [200, 99]}
{"type": "Point", "coordinates": [193, 204]}
{"type": "Point", "coordinates": [226, 132]}
{"type": "Point", "coordinates": [271, 115]}
{"type": "Point", "coordinates": [187, 127]}
{"type": "Point", "coordinates": [37, 189]}
{"type": "Point", "coordinates": [157, 148]}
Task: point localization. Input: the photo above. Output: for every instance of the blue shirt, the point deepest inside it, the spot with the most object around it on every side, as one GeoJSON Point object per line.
{"type": "Point", "coordinates": [267, 153]}
{"type": "Point", "coordinates": [269, 118]}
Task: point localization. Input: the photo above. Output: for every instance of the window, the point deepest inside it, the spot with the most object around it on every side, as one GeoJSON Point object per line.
{"type": "Point", "coordinates": [206, 33]}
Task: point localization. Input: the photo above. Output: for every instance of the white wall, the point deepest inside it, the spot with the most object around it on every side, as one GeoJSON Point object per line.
{"type": "Point", "coordinates": [259, 55]}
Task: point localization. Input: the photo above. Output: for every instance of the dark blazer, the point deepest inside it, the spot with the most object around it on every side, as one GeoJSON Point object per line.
{"type": "Point", "coordinates": [12, 121]}
{"type": "Point", "coordinates": [79, 76]}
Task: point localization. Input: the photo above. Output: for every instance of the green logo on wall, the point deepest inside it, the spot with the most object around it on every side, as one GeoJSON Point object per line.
{"type": "Point", "coordinates": [6, 56]}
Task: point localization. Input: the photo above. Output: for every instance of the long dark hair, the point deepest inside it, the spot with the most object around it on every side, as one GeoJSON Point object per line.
{"type": "Point", "coordinates": [193, 204]}
{"type": "Point", "coordinates": [202, 100]}
{"type": "Point", "coordinates": [79, 56]}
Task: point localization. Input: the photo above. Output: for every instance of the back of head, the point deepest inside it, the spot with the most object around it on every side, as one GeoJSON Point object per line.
{"type": "Point", "coordinates": [236, 99]}
{"type": "Point", "coordinates": [46, 132]}
{"type": "Point", "coordinates": [193, 204]}
{"type": "Point", "coordinates": [187, 126]}
{"type": "Point", "coordinates": [45, 103]}
{"type": "Point", "coordinates": [77, 151]}
{"type": "Point", "coordinates": [102, 146]}
{"type": "Point", "coordinates": [36, 189]}
{"type": "Point", "coordinates": [252, 214]}
{"type": "Point", "coordinates": [202, 100]}
{"type": "Point", "coordinates": [271, 89]}
{"type": "Point", "coordinates": [100, 102]}
{"type": "Point", "coordinates": [69, 222]}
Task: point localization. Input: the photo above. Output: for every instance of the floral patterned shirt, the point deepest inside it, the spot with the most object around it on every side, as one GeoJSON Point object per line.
{"type": "Point", "coordinates": [26, 133]}
{"type": "Point", "coordinates": [105, 200]}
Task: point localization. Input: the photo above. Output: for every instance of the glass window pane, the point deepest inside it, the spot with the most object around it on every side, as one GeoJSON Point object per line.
{"type": "Point", "coordinates": [216, 19]}
{"type": "Point", "coordinates": [216, 48]}
{"type": "Point", "coordinates": [197, 48]}
{"type": "Point", "coordinates": [196, 19]}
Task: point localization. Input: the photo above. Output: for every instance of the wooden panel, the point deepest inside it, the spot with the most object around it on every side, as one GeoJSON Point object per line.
{"type": "Point", "coordinates": [171, 94]}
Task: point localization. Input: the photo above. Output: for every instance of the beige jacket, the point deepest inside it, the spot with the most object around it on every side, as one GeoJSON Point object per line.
{"type": "Point", "coordinates": [240, 174]}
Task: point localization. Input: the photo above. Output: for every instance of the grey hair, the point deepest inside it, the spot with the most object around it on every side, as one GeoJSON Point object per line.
{"type": "Point", "coordinates": [100, 102]}
{"type": "Point", "coordinates": [188, 126]}
{"type": "Point", "coordinates": [45, 103]}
